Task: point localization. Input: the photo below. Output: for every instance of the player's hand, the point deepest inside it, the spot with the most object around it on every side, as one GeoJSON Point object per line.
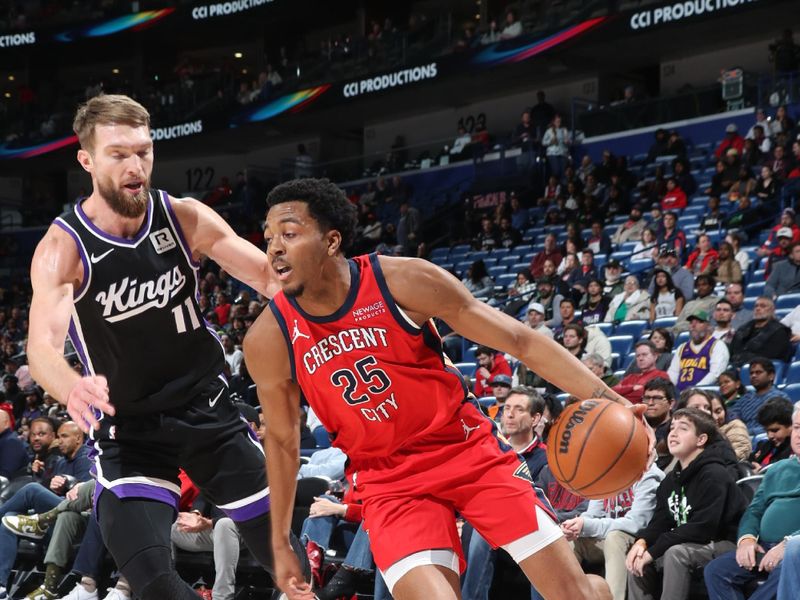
{"type": "Point", "coordinates": [289, 576]}
{"type": "Point", "coordinates": [322, 507]}
{"type": "Point", "coordinates": [638, 410]}
{"type": "Point", "coordinates": [746, 553]}
{"type": "Point", "coordinates": [90, 392]}
{"type": "Point", "coordinates": [772, 558]}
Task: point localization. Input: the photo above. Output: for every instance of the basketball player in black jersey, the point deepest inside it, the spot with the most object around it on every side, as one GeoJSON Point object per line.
{"type": "Point", "coordinates": [118, 274]}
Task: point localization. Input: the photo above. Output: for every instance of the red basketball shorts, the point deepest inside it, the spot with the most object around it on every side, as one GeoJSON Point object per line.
{"type": "Point", "coordinates": [411, 498]}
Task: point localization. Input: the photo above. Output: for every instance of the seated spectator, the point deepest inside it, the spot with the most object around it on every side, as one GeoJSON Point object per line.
{"type": "Point", "coordinates": [520, 292]}
{"type": "Point", "coordinates": [662, 341]}
{"type": "Point", "coordinates": [705, 301]}
{"type": "Point", "coordinates": [787, 220]}
{"type": "Point", "coordinates": [519, 214]}
{"type": "Point", "coordinates": [734, 430]}
{"type": "Point", "coordinates": [513, 27]}
{"type": "Point", "coordinates": [671, 235]}
{"type": "Point", "coordinates": [722, 315]}
{"type": "Point", "coordinates": [598, 241]}
{"type": "Point", "coordinates": [746, 219]}
{"type": "Point", "coordinates": [550, 252]}
{"type": "Point", "coordinates": [630, 305]}
{"type": "Point", "coordinates": [731, 387]}
{"type": "Point", "coordinates": [775, 417]}
{"type": "Point", "coordinates": [593, 304]}
{"type": "Point", "coordinates": [767, 185]}
{"type": "Point", "coordinates": [550, 300]}
{"type": "Point", "coordinates": [762, 379]}
{"type": "Point", "coordinates": [605, 532]}
{"type": "Point", "coordinates": [728, 268]}
{"type": "Point", "coordinates": [778, 163]}
{"type": "Point", "coordinates": [683, 279]}
{"type": "Point", "coordinates": [675, 198]}
{"type": "Point", "coordinates": [507, 236]}
{"type": "Point", "coordinates": [631, 230]}
{"type": "Point", "coordinates": [763, 336]}
{"type": "Point", "coordinates": [597, 365]}
{"type": "Point", "coordinates": [666, 299]}
{"type": "Point", "coordinates": [632, 386]}
{"type": "Point", "coordinates": [524, 132]}
{"type": "Point", "coordinates": [501, 387]}
{"type": "Point", "coordinates": [580, 276]}
{"type": "Point", "coordinates": [789, 568]}
{"type": "Point", "coordinates": [792, 321]}
{"type": "Point", "coordinates": [770, 518]}
{"type": "Point", "coordinates": [704, 259]}
{"type": "Point", "coordinates": [567, 309]}
{"type": "Point", "coordinates": [612, 284]}
{"type": "Point", "coordinates": [678, 541]}
{"type": "Point", "coordinates": [732, 139]}
{"type": "Point", "coordinates": [460, 144]}
{"type": "Point", "coordinates": [487, 236]}
{"type": "Point", "coordinates": [780, 252]}
{"type": "Point", "coordinates": [785, 276]}
{"type": "Point", "coordinates": [477, 280]}
{"type": "Point", "coordinates": [490, 364]}
{"type": "Point", "coordinates": [683, 176]}
{"type": "Point", "coordinates": [700, 360]}
{"type": "Point", "coordinates": [536, 319]}
{"type": "Point", "coordinates": [646, 249]}
{"type": "Point", "coordinates": [735, 239]}
{"type": "Point", "coordinates": [658, 396]}
{"type": "Point", "coordinates": [713, 219]}
{"type": "Point", "coordinates": [13, 458]}
{"type": "Point", "coordinates": [574, 340]}
{"type": "Point", "coordinates": [659, 146]}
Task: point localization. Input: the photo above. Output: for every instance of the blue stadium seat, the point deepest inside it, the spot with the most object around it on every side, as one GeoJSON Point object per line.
{"type": "Point", "coordinates": [744, 374]}
{"type": "Point", "coordinates": [621, 344]}
{"type": "Point", "coordinates": [631, 328]}
{"type": "Point", "coordinates": [793, 391]}
{"type": "Point", "coordinates": [461, 249]}
{"type": "Point", "coordinates": [606, 328]}
{"type": "Point", "coordinates": [520, 266]}
{"type": "Point", "coordinates": [780, 368]}
{"type": "Point", "coordinates": [505, 280]}
{"type": "Point", "coordinates": [499, 253]}
{"type": "Point", "coordinates": [788, 301]}
{"type": "Point", "coordinates": [461, 267]}
{"type": "Point", "coordinates": [616, 361]}
{"type": "Point", "coordinates": [438, 253]}
{"type": "Point", "coordinates": [667, 322]}
{"type": "Point", "coordinates": [628, 360]}
{"type": "Point", "coordinates": [478, 254]}
{"type": "Point", "coordinates": [487, 401]}
{"type": "Point", "coordinates": [682, 337]}
{"type": "Point", "coordinates": [524, 250]}
{"type": "Point", "coordinates": [509, 260]}
{"type": "Point", "coordinates": [448, 266]}
{"type": "Point", "coordinates": [749, 303]}
{"type": "Point", "coordinates": [489, 261]}
{"type": "Point", "coordinates": [467, 368]}
{"type": "Point", "coordinates": [755, 289]}
{"type": "Point", "coordinates": [497, 271]}
{"type": "Point", "coordinates": [758, 275]}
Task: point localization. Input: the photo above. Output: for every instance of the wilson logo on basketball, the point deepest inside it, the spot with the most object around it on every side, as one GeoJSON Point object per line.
{"type": "Point", "coordinates": [575, 419]}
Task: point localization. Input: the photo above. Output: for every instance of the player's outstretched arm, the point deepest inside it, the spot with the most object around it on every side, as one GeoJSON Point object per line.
{"type": "Point", "coordinates": [207, 233]}
{"type": "Point", "coordinates": [268, 364]}
{"type": "Point", "coordinates": [424, 290]}
{"type": "Point", "coordinates": [55, 271]}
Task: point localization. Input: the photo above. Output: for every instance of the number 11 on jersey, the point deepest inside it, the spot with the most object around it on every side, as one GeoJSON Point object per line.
{"type": "Point", "coordinates": [180, 321]}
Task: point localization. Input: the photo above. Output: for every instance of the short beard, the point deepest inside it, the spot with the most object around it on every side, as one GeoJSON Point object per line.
{"type": "Point", "coordinates": [294, 292]}
{"type": "Point", "coordinates": [129, 207]}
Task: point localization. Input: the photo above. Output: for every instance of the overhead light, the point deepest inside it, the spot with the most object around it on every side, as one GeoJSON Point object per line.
{"type": "Point", "coordinates": [7, 94]}
{"type": "Point", "coordinates": [115, 71]}
{"type": "Point", "coordinates": [237, 55]}
{"type": "Point", "coordinates": [244, 71]}
{"type": "Point", "coordinates": [11, 78]}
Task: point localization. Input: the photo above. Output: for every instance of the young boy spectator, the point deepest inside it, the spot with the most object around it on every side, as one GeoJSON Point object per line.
{"type": "Point", "coordinates": [698, 507]}
{"type": "Point", "coordinates": [605, 532]}
{"type": "Point", "coordinates": [775, 416]}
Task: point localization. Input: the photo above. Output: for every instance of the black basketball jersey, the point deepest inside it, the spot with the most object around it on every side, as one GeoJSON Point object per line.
{"type": "Point", "coordinates": [135, 317]}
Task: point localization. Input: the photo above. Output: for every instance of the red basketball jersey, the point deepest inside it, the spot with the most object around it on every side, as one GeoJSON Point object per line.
{"type": "Point", "coordinates": [376, 380]}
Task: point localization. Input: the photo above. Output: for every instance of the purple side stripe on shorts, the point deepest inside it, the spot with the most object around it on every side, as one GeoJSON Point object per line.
{"type": "Point", "coordinates": [249, 511]}
{"type": "Point", "coordinates": [140, 490]}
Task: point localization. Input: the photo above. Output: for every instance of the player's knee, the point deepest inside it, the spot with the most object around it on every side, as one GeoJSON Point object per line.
{"type": "Point", "coordinates": [167, 585]}
{"type": "Point", "coordinates": [146, 567]}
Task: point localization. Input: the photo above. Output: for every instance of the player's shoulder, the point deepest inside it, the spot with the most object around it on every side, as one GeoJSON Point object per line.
{"type": "Point", "coordinates": [57, 254]}
{"type": "Point", "coordinates": [405, 269]}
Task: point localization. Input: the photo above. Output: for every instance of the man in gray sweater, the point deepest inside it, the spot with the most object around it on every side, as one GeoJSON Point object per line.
{"type": "Point", "coordinates": [785, 276]}
{"type": "Point", "coordinates": [605, 532]}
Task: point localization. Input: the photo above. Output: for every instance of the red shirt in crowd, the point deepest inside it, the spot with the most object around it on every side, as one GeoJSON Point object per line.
{"type": "Point", "coordinates": [500, 366]}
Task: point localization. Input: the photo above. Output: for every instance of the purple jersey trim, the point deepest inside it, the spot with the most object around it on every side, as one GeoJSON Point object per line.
{"type": "Point", "coordinates": [112, 238]}
{"type": "Point", "coordinates": [84, 258]}
{"type": "Point", "coordinates": [76, 343]}
{"type": "Point", "coordinates": [139, 490]}
{"type": "Point", "coordinates": [177, 226]}
{"type": "Point", "coordinates": [249, 511]}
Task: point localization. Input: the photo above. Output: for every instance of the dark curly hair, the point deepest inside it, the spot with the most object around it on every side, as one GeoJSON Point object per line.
{"type": "Point", "coordinates": [327, 204]}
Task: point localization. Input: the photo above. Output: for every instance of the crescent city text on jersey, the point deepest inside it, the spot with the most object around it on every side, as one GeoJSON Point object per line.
{"type": "Point", "coordinates": [129, 297]}
{"type": "Point", "coordinates": [347, 340]}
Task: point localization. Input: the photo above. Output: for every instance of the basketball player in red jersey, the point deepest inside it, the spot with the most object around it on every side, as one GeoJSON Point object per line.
{"type": "Point", "coordinates": [355, 338]}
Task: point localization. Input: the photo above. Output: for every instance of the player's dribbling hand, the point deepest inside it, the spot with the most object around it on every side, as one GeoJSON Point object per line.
{"type": "Point", "coordinates": [90, 392]}
{"type": "Point", "coordinates": [638, 410]}
{"type": "Point", "coordinates": [289, 577]}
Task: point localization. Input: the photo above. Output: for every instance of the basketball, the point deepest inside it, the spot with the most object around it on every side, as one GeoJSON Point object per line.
{"type": "Point", "coordinates": [597, 448]}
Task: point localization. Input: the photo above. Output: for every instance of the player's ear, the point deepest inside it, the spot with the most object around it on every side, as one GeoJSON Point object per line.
{"type": "Point", "coordinates": [85, 160]}
{"type": "Point", "coordinates": [334, 242]}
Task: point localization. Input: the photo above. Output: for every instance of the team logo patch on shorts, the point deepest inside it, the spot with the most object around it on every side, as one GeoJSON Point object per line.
{"type": "Point", "coordinates": [523, 472]}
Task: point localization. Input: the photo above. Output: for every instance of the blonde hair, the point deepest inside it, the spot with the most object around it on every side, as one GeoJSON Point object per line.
{"type": "Point", "coordinates": [107, 109]}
